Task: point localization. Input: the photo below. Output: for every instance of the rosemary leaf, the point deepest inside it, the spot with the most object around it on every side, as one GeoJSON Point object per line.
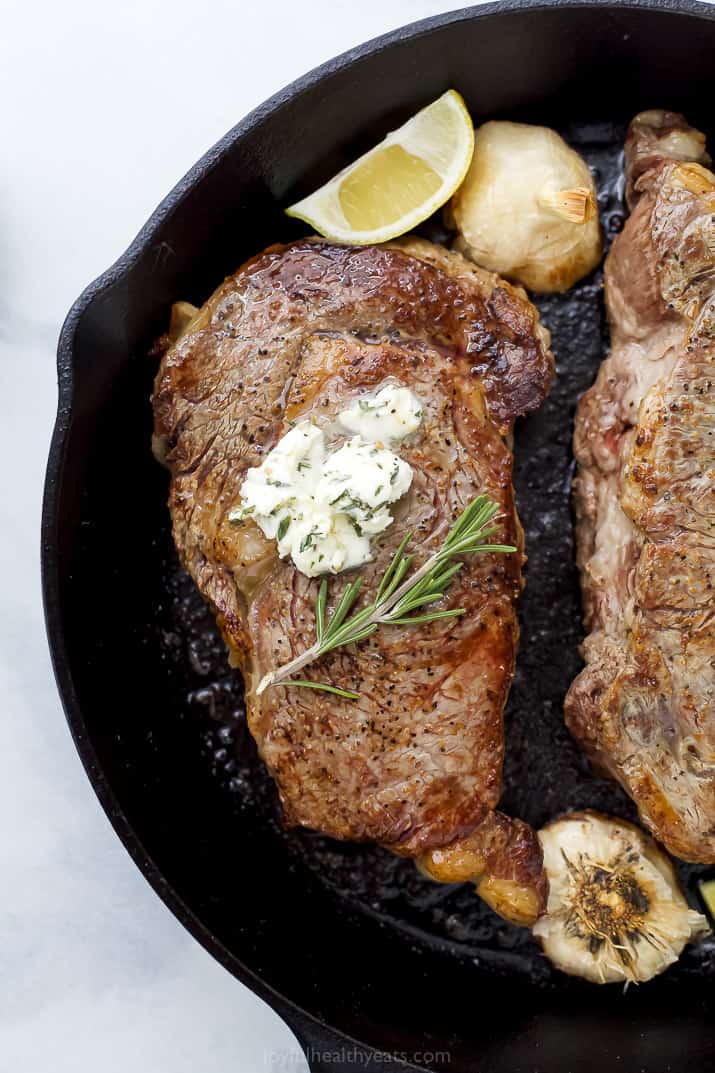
{"type": "Point", "coordinates": [362, 634]}
{"type": "Point", "coordinates": [387, 576]}
{"type": "Point", "coordinates": [321, 685]}
{"type": "Point", "coordinates": [320, 610]}
{"type": "Point", "coordinates": [402, 567]}
{"type": "Point", "coordinates": [346, 601]}
{"type": "Point", "coordinates": [443, 577]}
{"type": "Point", "coordinates": [422, 601]}
{"type": "Point", "coordinates": [432, 616]}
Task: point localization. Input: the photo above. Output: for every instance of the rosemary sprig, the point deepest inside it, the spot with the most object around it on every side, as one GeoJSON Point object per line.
{"type": "Point", "coordinates": [398, 596]}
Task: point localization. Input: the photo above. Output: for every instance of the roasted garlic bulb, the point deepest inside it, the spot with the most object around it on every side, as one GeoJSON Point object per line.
{"type": "Point", "coordinates": [615, 911]}
{"type": "Point", "coordinates": [527, 208]}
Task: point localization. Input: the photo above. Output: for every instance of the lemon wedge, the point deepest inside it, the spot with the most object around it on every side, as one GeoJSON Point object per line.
{"type": "Point", "coordinates": [400, 182]}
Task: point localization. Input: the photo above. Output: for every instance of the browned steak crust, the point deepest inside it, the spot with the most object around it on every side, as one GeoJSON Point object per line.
{"type": "Point", "coordinates": [644, 706]}
{"type": "Point", "coordinates": [298, 332]}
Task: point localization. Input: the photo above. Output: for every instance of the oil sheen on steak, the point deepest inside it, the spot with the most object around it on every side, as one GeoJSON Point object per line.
{"type": "Point", "coordinates": [644, 706]}
{"type": "Point", "coordinates": [299, 332]}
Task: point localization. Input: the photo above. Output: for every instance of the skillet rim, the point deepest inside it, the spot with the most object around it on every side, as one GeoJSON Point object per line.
{"type": "Point", "coordinates": [302, 1022]}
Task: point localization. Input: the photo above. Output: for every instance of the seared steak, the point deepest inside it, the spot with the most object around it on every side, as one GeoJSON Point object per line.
{"type": "Point", "coordinates": [299, 332]}
{"type": "Point", "coordinates": [644, 706]}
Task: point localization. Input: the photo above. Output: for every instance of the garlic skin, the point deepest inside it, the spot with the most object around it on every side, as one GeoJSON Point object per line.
{"type": "Point", "coordinates": [615, 912]}
{"type": "Point", "coordinates": [527, 208]}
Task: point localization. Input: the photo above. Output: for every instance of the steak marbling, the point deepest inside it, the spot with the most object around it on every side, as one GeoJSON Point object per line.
{"type": "Point", "coordinates": [298, 332]}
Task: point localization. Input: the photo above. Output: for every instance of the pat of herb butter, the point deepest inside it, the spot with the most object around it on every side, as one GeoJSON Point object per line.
{"type": "Point", "coordinates": [323, 506]}
{"type": "Point", "coordinates": [391, 414]}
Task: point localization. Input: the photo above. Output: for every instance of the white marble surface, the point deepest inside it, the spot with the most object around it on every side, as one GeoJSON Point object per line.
{"type": "Point", "coordinates": [104, 108]}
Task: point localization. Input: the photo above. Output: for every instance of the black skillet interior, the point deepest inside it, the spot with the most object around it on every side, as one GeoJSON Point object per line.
{"type": "Point", "coordinates": [349, 935]}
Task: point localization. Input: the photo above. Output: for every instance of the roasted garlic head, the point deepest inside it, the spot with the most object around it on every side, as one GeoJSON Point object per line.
{"type": "Point", "coordinates": [615, 911]}
{"type": "Point", "coordinates": [527, 207]}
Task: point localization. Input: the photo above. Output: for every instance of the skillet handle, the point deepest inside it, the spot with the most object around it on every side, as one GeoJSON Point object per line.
{"type": "Point", "coordinates": [326, 1051]}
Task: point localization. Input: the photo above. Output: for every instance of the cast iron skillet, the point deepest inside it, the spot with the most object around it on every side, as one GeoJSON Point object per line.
{"type": "Point", "coordinates": [351, 946]}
